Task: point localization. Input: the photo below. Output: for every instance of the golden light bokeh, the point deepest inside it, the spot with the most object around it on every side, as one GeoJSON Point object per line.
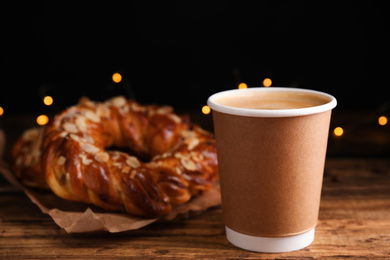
{"type": "Point", "coordinates": [267, 82]}
{"type": "Point", "coordinates": [338, 131]}
{"type": "Point", "coordinates": [1, 111]}
{"type": "Point", "coordinates": [42, 120]}
{"type": "Point", "coordinates": [206, 110]}
{"type": "Point", "coordinates": [382, 120]}
{"type": "Point", "coordinates": [116, 77]}
{"type": "Point", "coordinates": [242, 85]}
{"type": "Point", "coordinates": [48, 100]}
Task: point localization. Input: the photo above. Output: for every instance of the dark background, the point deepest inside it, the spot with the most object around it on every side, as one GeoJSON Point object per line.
{"type": "Point", "coordinates": [180, 52]}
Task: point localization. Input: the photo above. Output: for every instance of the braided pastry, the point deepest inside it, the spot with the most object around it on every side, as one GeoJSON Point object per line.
{"type": "Point", "coordinates": [170, 160]}
{"type": "Point", "coordinates": [26, 153]}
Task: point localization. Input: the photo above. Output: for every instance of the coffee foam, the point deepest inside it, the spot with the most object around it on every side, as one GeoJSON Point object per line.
{"type": "Point", "coordinates": [276, 102]}
{"type": "Point", "coordinates": [272, 100]}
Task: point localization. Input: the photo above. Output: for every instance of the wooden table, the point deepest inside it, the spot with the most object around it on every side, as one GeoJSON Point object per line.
{"type": "Point", "coordinates": [354, 221]}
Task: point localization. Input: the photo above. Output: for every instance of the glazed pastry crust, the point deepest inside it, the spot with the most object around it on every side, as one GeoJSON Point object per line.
{"type": "Point", "coordinates": [119, 155]}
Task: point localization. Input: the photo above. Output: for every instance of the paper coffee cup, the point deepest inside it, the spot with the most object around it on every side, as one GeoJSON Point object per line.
{"type": "Point", "coordinates": [271, 163]}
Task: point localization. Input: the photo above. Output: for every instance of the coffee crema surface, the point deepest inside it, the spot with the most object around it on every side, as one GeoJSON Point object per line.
{"type": "Point", "coordinates": [272, 100]}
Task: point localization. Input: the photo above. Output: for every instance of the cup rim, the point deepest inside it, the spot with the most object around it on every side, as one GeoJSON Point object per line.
{"type": "Point", "coordinates": [271, 113]}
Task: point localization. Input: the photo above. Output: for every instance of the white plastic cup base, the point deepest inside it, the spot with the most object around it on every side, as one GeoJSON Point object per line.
{"type": "Point", "coordinates": [270, 244]}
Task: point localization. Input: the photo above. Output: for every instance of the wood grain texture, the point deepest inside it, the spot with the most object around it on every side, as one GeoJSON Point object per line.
{"type": "Point", "coordinates": [354, 222]}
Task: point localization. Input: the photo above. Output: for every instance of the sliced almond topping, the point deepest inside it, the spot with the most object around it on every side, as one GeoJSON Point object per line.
{"type": "Point", "coordinates": [89, 148]}
{"type": "Point", "coordinates": [187, 177]}
{"type": "Point", "coordinates": [118, 101]}
{"type": "Point", "coordinates": [196, 156]}
{"type": "Point", "coordinates": [91, 116]}
{"type": "Point", "coordinates": [191, 142]}
{"type": "Point", "coordinates": [80, 139]}
{"type": "Point", "coordinates": [156, 157]}
{"type": "Point", "coordinates": [175, 118]}
{"type": "Point", "coordinates": [63, 134]}
{"type": "Point", "coordinates": [118, 164]}
{"type": "Point", "coordinates": [178, 170]}
{"type": "Point", "coordinates": [133, 162]}
{"type": "Point", "coordinates": [165, 155]}
{"type": "Point", "coordinates": [88, 138]}
{"type": "Point", "coordinates": [75, 137]}
{"type": "Point", "coordinates": [115, 156]}
{"type": "Point", "coordinates": [85, 160]}
{"type": "Point", "coordinates": [89, 103]}
{"type": "Point", "coordinates": [69, 127]}
{"type": "Point", "coordinates": [61, 160]}
{"type": "Point", "coordinates": [188, 164]}
{"type": "Point", "coordinates": [137, 108]}
{"type": "Point", "coordinates": [102, 111]}
{"type": "Point", "coordinates": [81, 124]}
{"type": "Point", "coordinates": [178, 155]}
{"type": "Point", "coordinates": [164, 110]}
{"type": "Point", "coordinates": [102, 157]}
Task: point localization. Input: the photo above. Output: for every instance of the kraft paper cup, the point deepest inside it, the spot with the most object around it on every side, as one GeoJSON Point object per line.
{"type": "Point", "coordinates": [271, 164]}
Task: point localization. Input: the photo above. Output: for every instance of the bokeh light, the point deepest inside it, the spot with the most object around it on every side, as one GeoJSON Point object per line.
{"type": "Point", "coordinates": [338, 131]}
{"type": "Point", "coordinates": [48, 100]}
{"type": "Point", "coordinates": [267, 82]}
{"type": "Point", "coordinates": [206, 110]}
{"type": "Point", "coordinates": [42, 120]}
{"type": "Point", "coordinates": [116, 77]}
{"type": "Point", "coordinates": [242, 85]}
{"type": "Point", "coordinates": [382, 120]}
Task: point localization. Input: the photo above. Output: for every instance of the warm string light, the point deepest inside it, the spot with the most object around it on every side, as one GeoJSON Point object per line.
{"type": "Point", "coordinates": [267, 82]}
{"type": "Point", "coordinates": [48, 100]}
{"type": "Point", "coordinates": [242, 85]}
{"type": "Point", "coordinates": [338, 131]}
{"type": "Point", "coordinates": [382, 120]}
{"type": "Point", "coordinates": [42, 120]}
{"type": "Point", "coordinates": [206, 110]}
{"type": "Point", "coordinates": [116, 77]}
{"type": "Point", "coordinates": [1, 111]}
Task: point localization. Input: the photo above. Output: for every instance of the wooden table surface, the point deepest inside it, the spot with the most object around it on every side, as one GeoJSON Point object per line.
{"type": "Point", "coordinates": [354, 221]}
{"type": "Point", "coordinates": [354, 218]}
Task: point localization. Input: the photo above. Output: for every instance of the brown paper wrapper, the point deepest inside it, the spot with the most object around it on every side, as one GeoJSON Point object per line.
{"type": "Point", "coordinates": [271, 172]}
{"type": "Point", "coordinates": [76, 217]}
